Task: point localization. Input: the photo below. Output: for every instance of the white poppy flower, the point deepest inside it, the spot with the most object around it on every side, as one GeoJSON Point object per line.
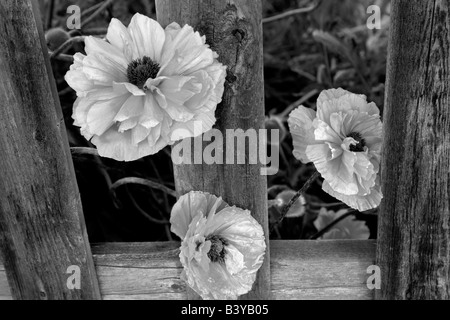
{"type": "Point", "coordinates": [222, 247]}
{"type": "Point", "coordinates": [343, 140]}
{"type": "Point", "coordinates": [143, 84]}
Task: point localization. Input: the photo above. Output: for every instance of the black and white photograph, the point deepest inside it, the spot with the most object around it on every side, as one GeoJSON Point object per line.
{"type": "Point", "coordinates": [237, 151]}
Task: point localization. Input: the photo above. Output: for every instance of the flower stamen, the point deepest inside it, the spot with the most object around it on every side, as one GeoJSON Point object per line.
{"type": "Point", "coordinates": [359, 147]}
{"type": "Point", "coordinates": [142, 69]}
{"type": "Point", "coordinates": [217, 252]}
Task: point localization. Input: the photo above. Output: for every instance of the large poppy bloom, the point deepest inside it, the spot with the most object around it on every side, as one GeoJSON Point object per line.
{"type": "Point", "coordinates": [343, 140]}
{"type": "Point", "coordinates": [145, 87]}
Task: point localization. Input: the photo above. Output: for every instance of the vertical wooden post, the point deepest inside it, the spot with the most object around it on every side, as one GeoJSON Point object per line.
{"type": "Point", "coordinates": [414, 230]}
{"type": "Point", "coordinates": [234, 30]}
{"type": "Point", "coordinates": [42, 230]}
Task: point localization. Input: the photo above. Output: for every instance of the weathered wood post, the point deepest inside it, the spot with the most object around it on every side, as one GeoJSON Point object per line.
{"type": "Point", "coordinates": [42, 230]}
{"type": "Point", "coordinates": [234, 30]}
{"type": "Point", "coordinates": [414, 230]}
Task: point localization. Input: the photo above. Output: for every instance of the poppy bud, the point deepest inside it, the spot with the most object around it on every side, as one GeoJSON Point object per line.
{"type": "Point", "coordinates": [297, 210]}
{"type": "Point", "coordinates": [55, 37]}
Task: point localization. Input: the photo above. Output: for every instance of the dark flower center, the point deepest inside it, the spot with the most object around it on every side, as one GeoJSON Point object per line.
{"type": "Point", "coordinates": [359, 147]}
{"type": "Point", "coordinates": [142, 69]}
{"type": "Point", "coordinates": [217, 251]}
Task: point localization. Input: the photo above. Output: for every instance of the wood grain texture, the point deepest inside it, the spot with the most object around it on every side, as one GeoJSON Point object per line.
{"type": "Point", "coordinates": [5, 292]}
{"type": "Point", "coordinates": [234, 30]}
{"type": "Point", "coordinates": [414, 226]}
{"type": "Point", "coordinates": [42, 230]}
{"type": "Point", "coordinates": [312, 270]}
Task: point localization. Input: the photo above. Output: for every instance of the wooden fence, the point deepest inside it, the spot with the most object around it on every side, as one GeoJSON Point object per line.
{"type": "Point", "coordinates": [42, 229]}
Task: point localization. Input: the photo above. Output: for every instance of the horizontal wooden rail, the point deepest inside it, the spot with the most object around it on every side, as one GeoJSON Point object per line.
{"type": "Point", "coordinates": [300, 270]}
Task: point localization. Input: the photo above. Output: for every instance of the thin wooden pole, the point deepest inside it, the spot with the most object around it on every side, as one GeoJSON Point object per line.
{"type": "Point", "coordinates": [234, 30]}
{"type": "Point", "coordinates": [42, 229]}
{"type": "Point", "coordinates": [414, 229]}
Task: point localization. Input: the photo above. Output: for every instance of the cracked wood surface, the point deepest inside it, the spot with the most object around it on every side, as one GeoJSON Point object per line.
{"type": "Point", "coordinates": [234, 30]}
{"type": "Point", "coordinates": [300, 270]}
{"type": "Point", "coordinates": [414, 224]}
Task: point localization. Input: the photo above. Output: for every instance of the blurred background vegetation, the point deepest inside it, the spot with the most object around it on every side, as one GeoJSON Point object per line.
{"type": "Point", "coordinates": [327, 46]}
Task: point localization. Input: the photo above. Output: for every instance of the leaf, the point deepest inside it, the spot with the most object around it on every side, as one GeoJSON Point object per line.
{"type": "Point", "coordinates": [337, 46]}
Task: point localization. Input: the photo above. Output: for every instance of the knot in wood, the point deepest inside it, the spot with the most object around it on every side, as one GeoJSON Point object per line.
{"type": "Point", "coordinates": [239, 34]}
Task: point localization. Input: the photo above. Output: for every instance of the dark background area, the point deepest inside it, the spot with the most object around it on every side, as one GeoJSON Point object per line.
{"type": "Point", "coordinates": [328, 47]}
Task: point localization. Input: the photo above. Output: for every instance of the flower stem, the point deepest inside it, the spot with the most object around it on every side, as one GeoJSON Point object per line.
{"type": "Point", "coordinates": [84, 150]}
{"type": "Point", "coordinates": [326, 205]}
{"type": "Point", "coordinates": [331, 225]}
{"type": "Point", "coordinates": [295, 198]}
{"type": "Point", "coordinates": [63, 57]}
{"type": "Point", "coordinates": [299, 102]}
{"type": "Point", "coordinates": [66, 46]}
{"type": "Point", "coordinates": [51, 8]}
{"type": "Point", "coordinates": [292, 12]}
{"type": "Point", "coordinates": [91, 9]}
{"type": "Point", "coordinates": [144, 182]}
{"type": "Point", "coordinates": [144, 213]}
{"type": "Point", "coordinates": [95, 32]}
